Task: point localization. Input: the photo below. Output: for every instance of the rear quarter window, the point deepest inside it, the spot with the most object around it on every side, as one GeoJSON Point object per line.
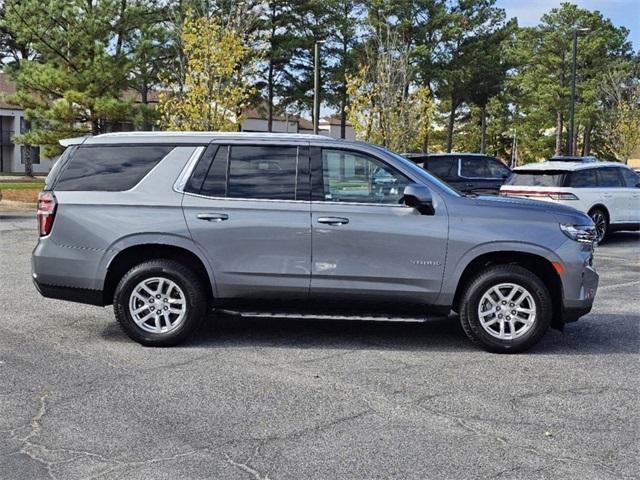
{"type": "Point", "coordinates": [109, 168]}
{"type": "Point", "coordinates": [536, 178]}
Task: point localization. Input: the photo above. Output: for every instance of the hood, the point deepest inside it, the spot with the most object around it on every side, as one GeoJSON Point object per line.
{"type": "Point", "coordinates": [563, 213]}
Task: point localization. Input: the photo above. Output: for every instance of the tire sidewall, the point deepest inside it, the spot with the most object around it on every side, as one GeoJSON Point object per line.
{"type": "Point", "coordinates": [175, 273]}
{"type": "Point", "coordinates": [540, 296]}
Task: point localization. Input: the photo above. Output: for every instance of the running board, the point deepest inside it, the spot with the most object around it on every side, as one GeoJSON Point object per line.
{"type": "Point", "coordinates": [313, 316]}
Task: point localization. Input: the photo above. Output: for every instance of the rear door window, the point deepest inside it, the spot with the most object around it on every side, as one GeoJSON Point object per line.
{"type": "Point", "coordinates": [474, 167]}
{"type": "Point", "coordinates": [443, 167]}
{"type": "Point", "coordinates": [583, 179]}
{"type": "Point", "coordinates": [262, 172]}
{"type": "Point", "coordinates": [536, 178]}
{"type": "Point", "coordinates": [609, 178]}
{"type": "Point", "coordinates": [109, 168]}
{"type": "Point", "coordinates": [631, 178]}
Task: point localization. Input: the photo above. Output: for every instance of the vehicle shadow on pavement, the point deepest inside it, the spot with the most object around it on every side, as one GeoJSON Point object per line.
{"type": "Point", "coordinates": [589, 336]}
{"type": "Point", "coordinates": [619, 238]}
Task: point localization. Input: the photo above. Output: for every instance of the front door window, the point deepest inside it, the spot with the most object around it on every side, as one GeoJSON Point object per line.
{"type": "Point", "coordinates": [358, 178]}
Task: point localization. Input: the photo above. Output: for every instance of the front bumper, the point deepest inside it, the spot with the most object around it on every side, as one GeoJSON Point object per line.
{"type": "Point", "coordinates": [580, 284]}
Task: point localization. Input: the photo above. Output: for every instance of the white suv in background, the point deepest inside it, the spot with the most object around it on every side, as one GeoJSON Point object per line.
{"type": "Point", "coordinates": [608, 192]}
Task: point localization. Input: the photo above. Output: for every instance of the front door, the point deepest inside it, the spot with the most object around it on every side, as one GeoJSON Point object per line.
{"type": "Point", "coordinates": [366, 245]}
{"type": "Point", "coordinates": [248, 208]}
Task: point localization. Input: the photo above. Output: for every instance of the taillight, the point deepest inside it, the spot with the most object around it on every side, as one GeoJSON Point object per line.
{"type": "Point", "coordinates": [563, 196]}
{"type": "Point", "coordinates": [46, 212]}
{"type": "Point", "coordinates": [554, 195]}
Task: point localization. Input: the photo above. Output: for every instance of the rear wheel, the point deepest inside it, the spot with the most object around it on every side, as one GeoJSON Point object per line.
{"type": "Point", "coordinates": [159, 303]}
{"type": "Point", "coordinates": [505, 309]}
{"type": "Point", "coordinates": [601, 222]}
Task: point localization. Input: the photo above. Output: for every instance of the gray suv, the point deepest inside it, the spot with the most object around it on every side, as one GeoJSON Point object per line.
{"type": "Point", "coordinates": [167, 226]}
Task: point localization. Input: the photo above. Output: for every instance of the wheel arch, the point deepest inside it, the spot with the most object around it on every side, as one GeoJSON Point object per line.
{"type": "Point", "coordinates": [601, 206]}
{"type": "Point", "coordinates": [538, 264]}
{"type": "Point", "coordinates": [137, 252]}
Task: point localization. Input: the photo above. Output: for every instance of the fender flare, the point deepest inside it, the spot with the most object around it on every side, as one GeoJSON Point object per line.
{"type": "Point", "coordinates": [163, 239]}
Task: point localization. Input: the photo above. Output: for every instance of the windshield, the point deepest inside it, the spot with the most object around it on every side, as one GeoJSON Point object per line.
{"type": "Point", "coordinates": [420, 171]}
{"type": "Point", "coordinates": [536, 178]}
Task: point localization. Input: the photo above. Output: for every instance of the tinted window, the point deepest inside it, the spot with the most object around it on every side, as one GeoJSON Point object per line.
{"type": "Point", "coordinates": [497, 169]}
{"type": "Point", "coordinates": [608, 177]}
{"type": "Point", "coordinates": [57, 167]}
{"type": "Point", "coordinates": [200, 171]}
{"type": "Point", "coordinates": [583, 179]}
{"type": "Point", "coordinates": [530, 178]}
{"type": "Point", "coordinates": [443, 167]}
{"type": "Point", "coordinates": [109, 168]}
{"type": "Point", "coordinates": [353, 177]}
{"type": "Point", "coordinates": [474, 167]}
{"type": "Point", "coordinates": [631, 178]}
{"type": "Point", "coordinates": [265, 172]}
{"type": "Point", "coordinates": [215, 183]}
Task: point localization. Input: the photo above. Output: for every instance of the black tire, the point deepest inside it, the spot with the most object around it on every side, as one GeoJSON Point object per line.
{"type": "Point", "coordinates": [601, 221]}
{"type": "Point", "coordinates": [482, 283]}
{"type": "Point", "coordinates": [191, 287]}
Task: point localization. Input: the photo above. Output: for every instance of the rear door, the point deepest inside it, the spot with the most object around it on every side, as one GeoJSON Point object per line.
{"type": "Point", "coordinates": [613, 193]}
{"type": "Point", "coordinates": [632, 194]}
{"type": "Point", "coordinates": [248, 209]}
{"type": "Point", "coordinates": [366, 245]}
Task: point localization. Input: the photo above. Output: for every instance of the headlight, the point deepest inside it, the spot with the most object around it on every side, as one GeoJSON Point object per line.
{"type": "Point", "coordinates": [580, 233]}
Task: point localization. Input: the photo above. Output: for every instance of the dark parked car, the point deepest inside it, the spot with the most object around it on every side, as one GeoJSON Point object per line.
{"type": "Point", "coordinates": [466, 172]}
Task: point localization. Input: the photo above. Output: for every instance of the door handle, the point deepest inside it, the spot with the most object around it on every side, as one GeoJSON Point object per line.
{"type": "Point", "coordinates": [213, 217]}
{"type": "Point", "coordinates": [333, 220]}
{"type": "Point", "coordinates": [607, 195]}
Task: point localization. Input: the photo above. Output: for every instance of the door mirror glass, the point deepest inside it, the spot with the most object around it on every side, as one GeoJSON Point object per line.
{"type": "Point", "coordinates": [419, 197]}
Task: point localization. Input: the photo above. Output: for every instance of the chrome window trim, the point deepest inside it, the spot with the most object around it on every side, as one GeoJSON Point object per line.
{"type": "Point", "coordinates": [185, 174]}
{"type": "Point", "coordinates": [360, 204]}
{"type": "Point", "coordinates": [235, 199]}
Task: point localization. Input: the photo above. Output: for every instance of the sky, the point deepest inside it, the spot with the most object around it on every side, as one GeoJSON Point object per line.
{"type": "Point", "coordinates": [621, 12]}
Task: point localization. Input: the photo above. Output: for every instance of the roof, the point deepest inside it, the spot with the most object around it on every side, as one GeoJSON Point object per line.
{"type": "Point", "coordinates": [445, 154]}
{"type": "Point", "coordinates": [192, 137]}
{"type": "Point", "coordinates": [568, 166]}
{"type": "Point", "coordinates": [573, 158]}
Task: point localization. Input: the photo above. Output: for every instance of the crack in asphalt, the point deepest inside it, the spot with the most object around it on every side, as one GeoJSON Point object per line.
{"type": "Point", "coordinates": [246, 467]}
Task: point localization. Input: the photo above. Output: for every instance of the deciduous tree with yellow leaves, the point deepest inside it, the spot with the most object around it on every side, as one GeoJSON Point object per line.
{"type": "Point", "coordinates": [386, 107]}
{"type": "Point", "coordinates": [214, 91]}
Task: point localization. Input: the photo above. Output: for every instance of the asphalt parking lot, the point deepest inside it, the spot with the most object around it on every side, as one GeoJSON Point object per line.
{"type": "Point", "coordinates": [287, 399]}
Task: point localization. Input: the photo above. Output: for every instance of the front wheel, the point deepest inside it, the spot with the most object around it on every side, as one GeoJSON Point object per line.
{"type": "Point", "coordinates": [159, 303]}
{"type": "Point", "coordinates": [505, 309]}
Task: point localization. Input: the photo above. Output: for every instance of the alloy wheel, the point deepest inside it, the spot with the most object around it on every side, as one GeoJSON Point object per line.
{"type": "Point", "coordinates": [507, 311]}
{"type": "Point", "coordinates": [157, 305]}
{"type": "Point", "coordinates": [600, 222]}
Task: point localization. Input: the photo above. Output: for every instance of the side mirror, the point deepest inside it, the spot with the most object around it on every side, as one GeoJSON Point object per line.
{"type": "Point", "coordinates": [419, 197]}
